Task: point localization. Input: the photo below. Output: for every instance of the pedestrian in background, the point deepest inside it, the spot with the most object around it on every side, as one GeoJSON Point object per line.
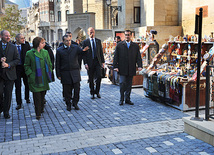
{"type": "Point", "coordinates": [38, 69]}
{"type": "Point", "coordinates": [126, 56]}
{"type": "Point", "coordinates": [22, 47]}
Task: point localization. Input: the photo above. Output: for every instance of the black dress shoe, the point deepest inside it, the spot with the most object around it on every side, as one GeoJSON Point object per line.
{"type": "Point", "coordinates": [92, 96]}
{"type": "Point", "coordinates": [38, 117]}
{"type": "Point", "coordinates": [6, 116]}
{"type": "Point", "coordinates": [98, 95]}
{"type": "Point", "coordinates": [68, 106]}
{"type": "Point", "coordinates": [76, 107]}
{"type": "Point", "coordinates": [28, 101]}
{"type": "Point", "coordinates": [121, 103]}
{"type": "Point", "coordinates": [18, 107]}
{"type": "Point", "coordinates": [129, 102]}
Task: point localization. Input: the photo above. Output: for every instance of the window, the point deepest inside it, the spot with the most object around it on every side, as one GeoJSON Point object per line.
{"type": "Point", "coordinates": [66, 15]}
{"type": "Point", "coordinates": [136, 14]}
{"type": "Point", "coordinates": [59, 34]}
{"type": "Point", "coordinates": [51, 15]}
{"type": "Point", "coordinates": [59, 16]}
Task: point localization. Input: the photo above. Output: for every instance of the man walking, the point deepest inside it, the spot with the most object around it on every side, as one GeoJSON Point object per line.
{"type": "Point", "coordinates": [126, 56]}
{"type": "Point", "coordinates": [94, 61]}
{"type": "Point", "coordinates": [22, 47]}
{"type": "Point", "coordinates": [68, 70]}
{"type": "Point", "coordinates": [9, 59]}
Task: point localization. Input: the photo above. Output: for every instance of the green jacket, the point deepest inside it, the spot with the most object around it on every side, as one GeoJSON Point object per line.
{"type": "Point", "coordinates": [30, 69]}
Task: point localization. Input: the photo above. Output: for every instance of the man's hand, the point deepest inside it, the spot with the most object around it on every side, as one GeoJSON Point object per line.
{"type": "Point", "coordinates": [86, 67]}
{"type": "Point", "coordinates": [5, 65]}
{"type": "Point", "coordinates": [86, 48]}
{"type": "Point", "coordinates": [140, 68]}
{"type": "Point", "coordinates": [116, 69]}
{"type": "Point", "coordinates": [103, 65]}
{"type": "Point", "coordinates": [59, 78]}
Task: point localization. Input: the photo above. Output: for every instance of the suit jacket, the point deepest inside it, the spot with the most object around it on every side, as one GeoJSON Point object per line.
{"type": "Point", "coordinates": [24, 48]}
{"type": "Point", "coordinates": [51, 55]}
{"type": "Point", "coordinates": [125, 59]}
{"type": "Point", "coordinates": [12, 58]}
{"type": "Point", "coordinates": [87, 58]}
{"type": "Point", "coordinates": [67, 65]}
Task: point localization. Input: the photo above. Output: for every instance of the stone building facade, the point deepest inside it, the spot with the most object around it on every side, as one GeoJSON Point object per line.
{"type": "Point", "coordinates": [174, 17]}
{"type": "Point", "coordinates": [188, 16]}
{"type": "Point", "coordinates": [32, 28]}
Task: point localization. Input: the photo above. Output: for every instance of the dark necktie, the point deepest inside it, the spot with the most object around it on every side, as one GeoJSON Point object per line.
{"type": "Point", "coordinates": [19, 50]}
{"type": "Point", "coordinates": [93, 48]}
{"type": "Point", "coordinates": [4, 46]}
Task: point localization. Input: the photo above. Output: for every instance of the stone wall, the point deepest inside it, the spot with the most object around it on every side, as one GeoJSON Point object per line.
{"type": "Point", "coordinates": [126, 17]}
{"type": "Point", "coordinates": [188, 16]}
{"type": "Point", "coordinates": [96, 6]}
{"type": "Point", "coordinates": [166, 12]}
{"type": "Point", "coordinates": [103, 34]}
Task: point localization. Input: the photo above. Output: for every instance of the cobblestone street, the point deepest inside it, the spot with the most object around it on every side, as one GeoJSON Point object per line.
{"type": "Point", "coordinates": [101, 126]}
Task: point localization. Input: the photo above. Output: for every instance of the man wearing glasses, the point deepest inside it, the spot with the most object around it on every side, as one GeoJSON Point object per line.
{"type": "Point", "coordinates": [126, 56]}
{"type": "Point", "coordinates": [22, 47]}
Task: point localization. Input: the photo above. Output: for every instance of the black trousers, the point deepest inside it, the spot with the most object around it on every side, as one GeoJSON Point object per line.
{"type": "Point", "coordinates": [20, 72]}
{"type": "Point", "coordinates": [38, 99]}
{"type": "Point", "coordinates": [125, 87]}
{"type": "Point", "coordinates": [6, 88]}
{"type": "Point", "coordinates": [94, 74]}
{"type": "Point", "coordinates": [68, 88]}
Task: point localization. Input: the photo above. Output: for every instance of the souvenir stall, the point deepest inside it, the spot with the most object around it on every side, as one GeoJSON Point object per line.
{"type": "Point", "coordinates": [171, 76]}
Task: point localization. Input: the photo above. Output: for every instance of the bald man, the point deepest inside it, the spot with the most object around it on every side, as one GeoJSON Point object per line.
{"type": "Point", "coordinates": [94, 62]}
{"type": "Point", "coordinates": [9, 59]}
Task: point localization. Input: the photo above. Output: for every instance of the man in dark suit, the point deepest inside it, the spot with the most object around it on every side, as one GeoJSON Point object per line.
{"type": "Point", "coordinates": [126, 55]}
{"type": "Point", "coordinates": [9, 59]}
{"type": "Point", "coordinates": [22, 47]}
{"type": "Point", "coordinates": [68, 70]}
{"type": "Point", "coordinates": [69, 34]}
{"type": "Point", "coordinates": [94, 61]}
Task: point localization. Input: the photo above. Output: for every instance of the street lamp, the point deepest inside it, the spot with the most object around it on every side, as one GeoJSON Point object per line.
{"type": "Point", "coordinates": [108, 3]}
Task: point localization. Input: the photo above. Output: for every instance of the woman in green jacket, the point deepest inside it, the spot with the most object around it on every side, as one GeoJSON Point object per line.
{"type": "Point", "coordinates": [38, 69]}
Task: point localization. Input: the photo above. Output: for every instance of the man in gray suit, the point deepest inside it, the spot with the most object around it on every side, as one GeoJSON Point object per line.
{"type": "Point", "coordinates": [9, 59]}
{"type": "Point", "coordinates": [68, 70]}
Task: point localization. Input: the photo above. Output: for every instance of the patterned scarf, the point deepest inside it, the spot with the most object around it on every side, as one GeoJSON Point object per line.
{"type": "Point", "coordinates": [39, 77]}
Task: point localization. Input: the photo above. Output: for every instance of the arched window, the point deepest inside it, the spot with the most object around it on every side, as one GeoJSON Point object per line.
{"type": "Point", "coordinates": [66, 15]}
{"type": "Point", "coordinates": [59, 34]}
{"type": "Point", "coordinates": [59, 16]}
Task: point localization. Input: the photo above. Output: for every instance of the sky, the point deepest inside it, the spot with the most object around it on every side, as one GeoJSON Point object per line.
{"type": "Point", "coordinates": [24, 3]}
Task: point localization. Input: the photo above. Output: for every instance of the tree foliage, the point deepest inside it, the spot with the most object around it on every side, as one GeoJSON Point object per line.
{"type": "Point", "coordinates": [12, 21]}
